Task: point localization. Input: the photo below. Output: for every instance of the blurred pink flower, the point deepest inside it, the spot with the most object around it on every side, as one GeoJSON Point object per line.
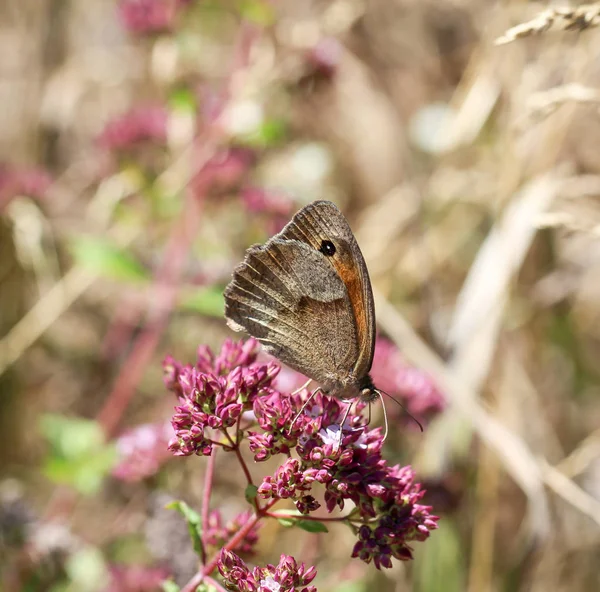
{"type": "Point", "coordinates": [135, 578]}
{"type": "Point", "coordinates": [416, 389]}
{"type": "Point", "coordinates": [259, 199]}
{"type": "Point", "coordinates": [31, 182]}
{"type": "Point", "coordinates": [142, 451]}
{"type": "Point", "coordinates": [149, 16]}
{"type": "Point", "coordinates": [277, 205]}
{"type": "Point", "coordinates": [324, 57]}
{"type": "Point", "coordinates": [139, 124]}
{"type": "Point", "coordinates": [224, 171]}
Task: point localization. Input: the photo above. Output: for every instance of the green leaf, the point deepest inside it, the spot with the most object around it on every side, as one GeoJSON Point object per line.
{"type": "Point", "coordinates": [107, 260]}
{"type": "Point", "coordinates": [289, 518]}
{"type": "Point", "coordinates": [257, 11]}
{"type": "Point", "coordinates": [287, 522]}
{"type": "Point", "coordinates": [183, 99]}
{"type": "Point", "coordinates": [270, 133]}
{"type": "Point", "coordinates": [71, 437]}
{"type": "Point", "coordinates": [170, 586]}
{"type": "Point", "coordinates": [194, 523]}
{"type": "Point", "coordinates": [208, 301]}
{"type": "Point", "coordinates": [78, 455]}
{"type": "Point", "coordinates": [440, 563]}
{"type": "Point", "coordinates": [86, 569]}
{"type": "Point", "coordinates": [355, 586]}
{"type": "Point", "coordinates": [311, 526]}
{"type": "Point", "coordinates": [250, 493]}
{"type": "Point", "coordinates": [293, 512]}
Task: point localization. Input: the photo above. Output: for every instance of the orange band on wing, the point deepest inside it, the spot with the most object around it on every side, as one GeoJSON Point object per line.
{"type": "Point", "coordinates": [349, 275]}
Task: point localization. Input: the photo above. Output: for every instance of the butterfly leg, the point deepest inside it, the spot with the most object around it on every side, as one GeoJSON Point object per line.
{"type": "Point", "coordinates": [346, 413]}
{"type": "Point", "coordinates": [305, 404]}
{"type": "Point", "coordinates": [305, 385]}
{"type": "Point", "coordinates": [385, 417]}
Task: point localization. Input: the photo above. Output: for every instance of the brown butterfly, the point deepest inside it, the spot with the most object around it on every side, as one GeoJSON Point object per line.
{"type": "Point", "coordinates": [306, 296]}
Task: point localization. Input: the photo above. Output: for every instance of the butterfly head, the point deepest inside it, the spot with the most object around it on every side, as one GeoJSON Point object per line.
{"type": "Point", "coordinates": [367, 390]}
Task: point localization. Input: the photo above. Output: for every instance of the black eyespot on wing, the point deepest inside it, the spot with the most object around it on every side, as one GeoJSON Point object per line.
{"type": "Point", "coordinates": [327, 248]}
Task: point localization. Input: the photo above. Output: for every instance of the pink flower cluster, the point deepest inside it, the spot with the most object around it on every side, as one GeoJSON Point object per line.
{"type": "Point", "coordinates": [144, 17]}
{"type": "Point", "coordinates": [276, 205]}
{"type": "Point", "coordinates": [233, 389]}
{"type": "Point", "coordinates": [30, 182]}
{"type": "Point", "coordinates": [286, 576]}
{"type": "Point", "coordinates": [142, 451]}
{"type": "Point", "coordinates": [135, 578]}
{"type": "Point", "coordinates": [416, 390]}
{"type": "Point", "coordinates": [140, 124]}
{"type": "Point", "coordinates": [214, 394]}
{"type": "Point", "coordinates": [387, 512]}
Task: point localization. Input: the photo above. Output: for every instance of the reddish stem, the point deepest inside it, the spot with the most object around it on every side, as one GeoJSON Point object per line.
{"type": "Point", "coordinates": [243, 464]}
{"type": "Point", "coordinates": [236, 448]}
{"type": "Point", "coordinates": [214, 583]}
{"type": "Point", "coordinates": [208, 481]}
{"type": "Point", "coordinates": [231, 544]}
{"type": "Point", "coordinates": [162, 303]}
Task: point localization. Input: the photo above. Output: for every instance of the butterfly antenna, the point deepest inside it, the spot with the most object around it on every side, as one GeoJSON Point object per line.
{"type": "Point", "coordinates": [380, 392]}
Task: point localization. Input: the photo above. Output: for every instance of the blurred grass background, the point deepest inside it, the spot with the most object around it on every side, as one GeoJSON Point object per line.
{"type": "Point", "coordinates": [145, 144]}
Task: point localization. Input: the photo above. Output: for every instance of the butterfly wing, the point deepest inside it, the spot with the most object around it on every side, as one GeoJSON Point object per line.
{"type": "Point", "coordinates": [322, 221]}
{"type": "Point", "coordinates": [287, 296]}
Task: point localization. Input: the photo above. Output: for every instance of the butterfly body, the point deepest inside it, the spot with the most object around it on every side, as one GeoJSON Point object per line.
{"type": "Point", "coordinates": [306, 296]}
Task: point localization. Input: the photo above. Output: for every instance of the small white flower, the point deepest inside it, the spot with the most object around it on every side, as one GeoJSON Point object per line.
{"type": "Point", "coordinates": [314, 412]}
{"type": "Point", "coordinates": [270, 584]}
{"type": "Point", "coordinates": [331, 435]}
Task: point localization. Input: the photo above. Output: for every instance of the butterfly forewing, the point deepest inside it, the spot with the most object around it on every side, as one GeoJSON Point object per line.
{"type": "Point", "coordinates": [322, 221]}
{"type": "Point", "coordinates": [296, 306]}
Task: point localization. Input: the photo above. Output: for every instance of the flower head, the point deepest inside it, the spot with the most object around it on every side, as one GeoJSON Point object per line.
{"type": "Point", "coordinates": [275, 205]}
{"type": "Point", "coordinates": [138, 125]}
{"type": "Point", "coordinates": [214, 394]}
{"type": "Point", "coordinates": [324, 58]}
{"type": "Point", "coordinates": [346, 460]}
{"type": "Point", "coordinates": [142, 451]}
{"type": "Point", "coordinates": [15, 182]}
{"type": "Point", "coordinates": [144, 17]}
{"type": "Point", "coordinates": [135, 578]}
{"type": "Point", "coordinates": [286, 576]}
{"type": "Point", "coordinates": [416, 389]}
{"type": "Point", "coordinates": [334, 449]}
{"type": "Point", "coordinates": [223, 171]}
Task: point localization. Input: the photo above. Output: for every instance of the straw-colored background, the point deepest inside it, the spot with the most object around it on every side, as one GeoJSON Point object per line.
{"type": "Point", "coordinates": [470, 171]}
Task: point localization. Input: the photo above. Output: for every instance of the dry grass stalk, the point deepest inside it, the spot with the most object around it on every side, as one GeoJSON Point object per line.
{"type": "Point", "coordinates": [558, 19]}
{"type": "Point", "coordinates": [544, 103]}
